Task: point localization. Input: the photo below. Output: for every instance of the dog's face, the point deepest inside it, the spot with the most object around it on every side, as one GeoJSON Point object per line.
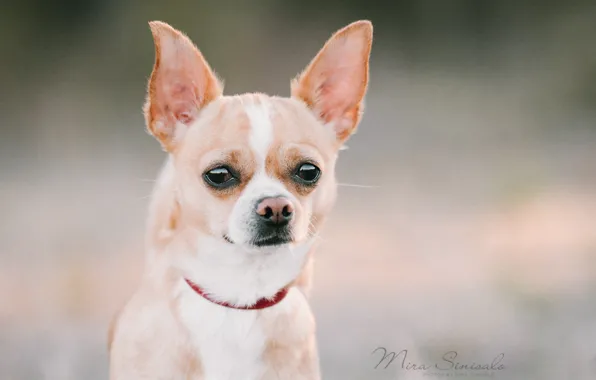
{"type": "Point", "coordinates": [257, 171]}
{"type": "Point", "coordinates": [253, 170]}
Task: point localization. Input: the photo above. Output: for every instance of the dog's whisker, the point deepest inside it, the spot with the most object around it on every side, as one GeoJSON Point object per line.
{"type": "Point", "coordinates": [312, 227]}
{"type": "Point", "coordinates": [313, 230]}
{"type": "Point", "coordinates": [313, 233]}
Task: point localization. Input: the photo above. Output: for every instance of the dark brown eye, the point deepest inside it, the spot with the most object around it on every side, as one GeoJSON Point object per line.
{"type": "Point", "coordinates": [307, 174]}
{"type": "Point", "coordinates": [220, 177]}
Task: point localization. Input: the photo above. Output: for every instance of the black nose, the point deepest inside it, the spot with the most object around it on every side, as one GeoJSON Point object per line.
{"type": "Point", "coordinates": [275, 211]}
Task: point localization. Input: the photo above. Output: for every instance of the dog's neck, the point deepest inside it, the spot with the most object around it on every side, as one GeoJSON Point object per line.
{"type": "Point", "coordinates": [237, 275]}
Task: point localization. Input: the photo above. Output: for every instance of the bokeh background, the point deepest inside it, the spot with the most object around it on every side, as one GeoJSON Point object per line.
{"type": "Point", "coordinates": [466, 218]}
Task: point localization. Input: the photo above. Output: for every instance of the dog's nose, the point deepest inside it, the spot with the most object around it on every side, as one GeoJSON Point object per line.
{"type": "Point", "coordinates": [275, 211]}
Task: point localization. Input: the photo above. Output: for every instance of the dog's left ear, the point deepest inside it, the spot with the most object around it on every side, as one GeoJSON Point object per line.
{"type": "Point", "coordinates": [180, 85]}
{"type": "Point", "coordinates": [334, 83]}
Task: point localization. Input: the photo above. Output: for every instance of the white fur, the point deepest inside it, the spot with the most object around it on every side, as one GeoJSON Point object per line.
{"type": "Point", "coordinates": [261, 129]}
{"type": "Point", "coordinates": [231, 342]}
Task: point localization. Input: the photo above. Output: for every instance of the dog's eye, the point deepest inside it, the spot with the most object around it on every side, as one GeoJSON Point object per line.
{"type": "Point", "coordinates": [220, 177]}
{"type": "Point", "coordinates": [308, 174]}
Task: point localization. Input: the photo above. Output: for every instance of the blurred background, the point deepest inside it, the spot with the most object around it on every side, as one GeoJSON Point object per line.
{"type": "Point", "coordinates": [466, 218]}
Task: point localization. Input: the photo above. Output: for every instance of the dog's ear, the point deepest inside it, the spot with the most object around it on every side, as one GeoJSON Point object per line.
{"type": "Point", "coordinates": [180, 85]}
{"type": "Point", "coordinates": [334, 83]}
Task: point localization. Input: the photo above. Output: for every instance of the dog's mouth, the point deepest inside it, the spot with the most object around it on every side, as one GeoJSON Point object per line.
{"type": "Point", "coordinates": [271, 240]}
{"type": "Point", "coordinates": [277, 239]}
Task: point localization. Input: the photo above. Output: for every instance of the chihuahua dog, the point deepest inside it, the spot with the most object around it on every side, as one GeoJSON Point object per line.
{"type": "Point", "coordinates": [234, 216]}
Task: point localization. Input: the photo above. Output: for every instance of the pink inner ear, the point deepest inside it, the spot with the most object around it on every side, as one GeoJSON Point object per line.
{"type": "Point", "coordinates": [183, 102]}
{"type": "Point", "coordinates": [184, 117]}
{"type": "Point", "coordinates": [338, 94]}
{"type": "Point", "coordinates": [177, 95]}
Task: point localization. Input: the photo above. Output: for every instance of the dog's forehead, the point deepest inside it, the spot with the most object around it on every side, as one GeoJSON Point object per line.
{"type": "Point", "coordinates": [259, 123]}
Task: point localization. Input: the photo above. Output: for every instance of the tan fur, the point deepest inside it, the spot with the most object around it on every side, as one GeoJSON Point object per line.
{"type": "Point", "coordinates": [199, 128]}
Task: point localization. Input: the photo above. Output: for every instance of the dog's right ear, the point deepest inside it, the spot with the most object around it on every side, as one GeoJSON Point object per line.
{"type": "Point", "coordinates": [180, 85]}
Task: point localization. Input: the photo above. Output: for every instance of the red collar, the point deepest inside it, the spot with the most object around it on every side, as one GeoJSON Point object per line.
{"type": "Point", "coordinates": [261, 303]}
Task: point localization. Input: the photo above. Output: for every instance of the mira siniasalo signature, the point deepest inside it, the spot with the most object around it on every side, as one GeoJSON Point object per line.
{"type": "Point", "coordinates": [447, 362]}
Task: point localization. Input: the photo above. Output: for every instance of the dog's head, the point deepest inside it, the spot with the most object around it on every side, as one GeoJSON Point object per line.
{"type": "Point", "coordinates": [254, 170]}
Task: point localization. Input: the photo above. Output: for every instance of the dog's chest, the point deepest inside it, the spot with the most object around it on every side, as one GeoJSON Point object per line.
{"type": "Point", "coordinates": [234, 344]}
